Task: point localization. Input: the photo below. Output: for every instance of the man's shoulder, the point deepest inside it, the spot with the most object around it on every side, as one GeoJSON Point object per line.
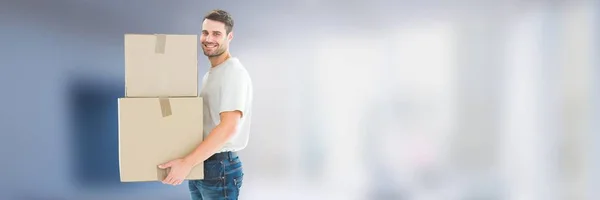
{"type": "Point", "coordinates": [235, 67]}
{"type": "Point", "coordinates": [234, 64]}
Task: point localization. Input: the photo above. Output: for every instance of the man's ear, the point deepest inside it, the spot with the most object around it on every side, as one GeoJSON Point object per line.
{"type": "Point", "coordinates": [230, 36]}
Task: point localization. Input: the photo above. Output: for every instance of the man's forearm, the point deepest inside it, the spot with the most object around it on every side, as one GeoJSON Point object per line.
{"type": "Point", "coordinates": [212, 143]}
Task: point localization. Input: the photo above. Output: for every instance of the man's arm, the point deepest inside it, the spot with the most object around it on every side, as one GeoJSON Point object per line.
{"type": "Point", "coordinates": [216, 139]}
{"type": "Point", "coordinates": [232, 107]}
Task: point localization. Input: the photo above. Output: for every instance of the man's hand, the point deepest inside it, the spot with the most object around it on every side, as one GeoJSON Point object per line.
{"type": "Point", "coordinates": [179, 170]}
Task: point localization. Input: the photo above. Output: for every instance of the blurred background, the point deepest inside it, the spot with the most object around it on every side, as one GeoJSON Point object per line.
{"type": "Point", "coordinates": [354, 100]}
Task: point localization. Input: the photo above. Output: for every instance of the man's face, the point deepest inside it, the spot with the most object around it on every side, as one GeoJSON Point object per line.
{"type": "Point", "coordinates": [214, 39]}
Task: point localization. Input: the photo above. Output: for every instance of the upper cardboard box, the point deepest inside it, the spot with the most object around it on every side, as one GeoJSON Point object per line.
{"type": "Point", "coordinates": [159, 65]}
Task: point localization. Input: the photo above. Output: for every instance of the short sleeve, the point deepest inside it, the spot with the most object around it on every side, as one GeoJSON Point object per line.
{"type": "Point", "coordinates": [234, 91]}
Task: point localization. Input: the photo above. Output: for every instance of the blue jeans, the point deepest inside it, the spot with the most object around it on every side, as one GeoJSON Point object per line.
{"type": "Point", "coordinates": [223, 176]}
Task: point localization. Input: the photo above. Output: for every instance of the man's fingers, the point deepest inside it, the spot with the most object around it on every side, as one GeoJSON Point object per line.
{"type": "Point", "coordinates": [165, 165]}
{"type": "Point", "coordinates": [174, 181]}
{"type": "Point", "coordinates": [171, 180]}
{"type": "Point", "coordinates": [168, 179]}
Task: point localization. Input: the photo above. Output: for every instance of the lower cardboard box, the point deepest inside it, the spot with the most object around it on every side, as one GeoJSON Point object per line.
{"type": "Point", "coordinates": [153, 131]}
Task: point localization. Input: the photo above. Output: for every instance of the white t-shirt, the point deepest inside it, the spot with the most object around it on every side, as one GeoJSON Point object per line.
{"type": "Point", "coordinates": [228, 87]}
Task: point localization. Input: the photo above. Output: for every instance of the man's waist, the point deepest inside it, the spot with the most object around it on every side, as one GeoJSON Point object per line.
{"type": "Point", "coordinates": [227, 155]}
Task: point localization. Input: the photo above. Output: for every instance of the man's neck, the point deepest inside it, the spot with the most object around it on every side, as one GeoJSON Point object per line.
{"type": "Point", "coordinates": [215, 61]}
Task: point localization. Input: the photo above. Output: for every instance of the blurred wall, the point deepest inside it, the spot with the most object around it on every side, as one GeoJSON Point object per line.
{"type": "Point", "coordinates": [354, 100]}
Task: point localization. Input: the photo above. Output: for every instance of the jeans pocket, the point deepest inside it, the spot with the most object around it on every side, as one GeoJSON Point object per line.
{"type": "Point", "coordinates": [213, 170]}
{"type": "Point", "coordinates": [238, 180]}
{"type": "Point", "coordinates": [214, 179]}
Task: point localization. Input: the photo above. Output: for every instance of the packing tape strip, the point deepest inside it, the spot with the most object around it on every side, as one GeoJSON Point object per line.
{"type": "Point", "coordinates": [161, 174]}
{"type": "Point", "coordinates": [159, 48]}
{"type": "Point", "coordinates": [165, 107]}
{"type": "Point", "coordinates": [165, 104]}
{"type": "Point", "coordinates": [161, 42]}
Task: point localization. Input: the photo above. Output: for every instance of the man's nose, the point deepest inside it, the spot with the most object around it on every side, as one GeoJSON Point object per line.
{"type": "Point", "coordinates": [208, 38]}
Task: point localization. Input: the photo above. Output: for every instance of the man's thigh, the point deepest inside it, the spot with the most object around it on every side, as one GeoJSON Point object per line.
{"type": "Point", "coordinates": [222, 181]}
{"type": "Point", "coordinates": [194, 191]}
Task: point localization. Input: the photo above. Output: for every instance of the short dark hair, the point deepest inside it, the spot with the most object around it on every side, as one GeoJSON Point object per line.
{"type": "Point", "coordinates": [221, 16]}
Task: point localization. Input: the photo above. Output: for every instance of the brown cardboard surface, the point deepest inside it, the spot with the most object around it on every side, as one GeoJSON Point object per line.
{"type": "Point", "coordinates": [161, 65]}
{"type": "Point", "coordinates": [148, 138]}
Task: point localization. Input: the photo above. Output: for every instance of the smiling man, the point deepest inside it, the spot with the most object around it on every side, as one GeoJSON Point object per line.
{"type": "Point", "coordinates": [227, 94]}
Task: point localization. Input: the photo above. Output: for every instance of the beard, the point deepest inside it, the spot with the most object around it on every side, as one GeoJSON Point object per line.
{"type": "Point", "coordinates": [213, 52]}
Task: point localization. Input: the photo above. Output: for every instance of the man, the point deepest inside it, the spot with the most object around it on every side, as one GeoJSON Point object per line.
{"type": "Point", "coordinates": [227, 94]}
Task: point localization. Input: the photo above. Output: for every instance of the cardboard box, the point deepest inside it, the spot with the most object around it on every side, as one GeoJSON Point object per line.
{"type": "Point", "coordinates": [161, 65]}
{"type": "Point", "coordinates": [156, 130]}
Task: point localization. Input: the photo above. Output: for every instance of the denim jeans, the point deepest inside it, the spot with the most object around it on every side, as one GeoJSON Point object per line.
{"type": "Point", "coordinates": [223, 176]}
